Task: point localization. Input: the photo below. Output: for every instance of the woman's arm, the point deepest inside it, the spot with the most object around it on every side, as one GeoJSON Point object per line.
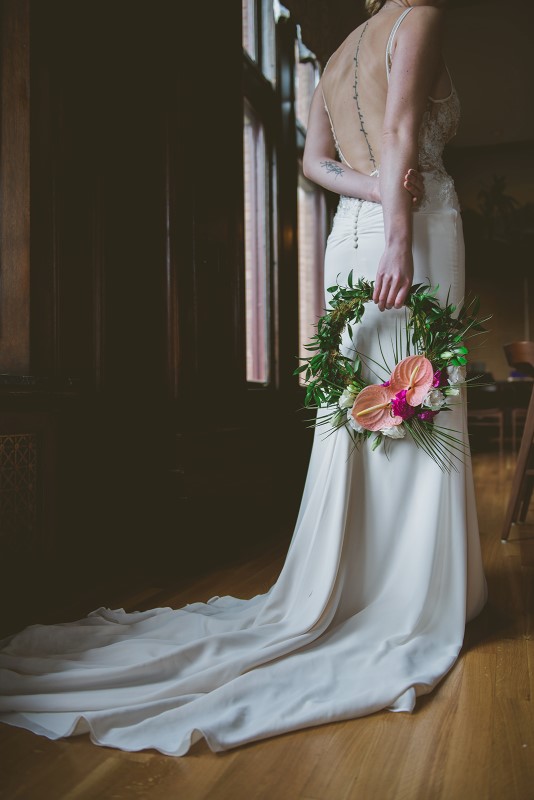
{"type": "Point", "coordinates": [321, 166]}
{"type": "Point", "coordinates": [414, 65]}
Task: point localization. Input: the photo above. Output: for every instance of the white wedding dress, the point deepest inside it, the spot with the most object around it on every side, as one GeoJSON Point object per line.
{"type": "Point", "coordinates": [369, 610]}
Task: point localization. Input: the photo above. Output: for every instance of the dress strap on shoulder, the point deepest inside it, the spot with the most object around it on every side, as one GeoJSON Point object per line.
{"type": "Point", "coordinates": [391, 38]}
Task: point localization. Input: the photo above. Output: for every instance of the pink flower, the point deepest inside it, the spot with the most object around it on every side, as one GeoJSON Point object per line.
{"type": "Point", "coordinates": [386, 383]}
{"type": "Point", "coordinates": [400, 406]}
{"type": "Point", "coordinates": [439, 379]}
{"type": "Point", "coordinates": [372, 408]}
{"type": "Point", "coordinates": [427, 416]}
{"type": "Point", "coordinates": [415, 374]}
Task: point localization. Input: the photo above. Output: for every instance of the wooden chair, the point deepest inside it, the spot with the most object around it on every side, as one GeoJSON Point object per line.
{"type": "Point", "coordinates": [484, 410]}
{"type": "Point", "coordinates": [520, 355]}
{"type": "Point", "coordinates": [519, 416]}
{"type": "Point", "coordinates": [488, 418]}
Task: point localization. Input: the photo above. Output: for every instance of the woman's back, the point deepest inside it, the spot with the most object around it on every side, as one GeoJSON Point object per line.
{"type": "Point", "coordinates": [355, 87]}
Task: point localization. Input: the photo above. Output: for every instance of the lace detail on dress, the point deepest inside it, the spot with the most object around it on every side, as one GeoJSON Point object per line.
{"type": "Point", "coordinates": [438, 126]}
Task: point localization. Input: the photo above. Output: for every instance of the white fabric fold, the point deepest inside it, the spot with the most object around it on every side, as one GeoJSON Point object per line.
{"type": "Point", "coordinates": [367, 614]}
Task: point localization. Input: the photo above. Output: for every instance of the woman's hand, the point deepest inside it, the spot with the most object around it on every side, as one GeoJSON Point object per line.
{"type": "Point", "coordinates": [394, 277]}
{"type": "Point", "coordinates": [413, 182]}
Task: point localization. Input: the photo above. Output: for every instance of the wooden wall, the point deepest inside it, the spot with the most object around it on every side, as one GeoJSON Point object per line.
{"type": "Point", "coordinates": [15, 185]}
{"type": "Point", "coordinates": [152, 452]}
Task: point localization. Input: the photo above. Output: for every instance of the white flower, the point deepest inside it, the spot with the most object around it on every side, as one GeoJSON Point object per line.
{"type": "Point", "coordinates": [395, 432]}
{"type": "Point", "coordinates": [347, 399]}
{"type": "Point", "coordinates": [452, 391]}
{"type": "Point", "coordinates": [434, 400]}
{"type": "Point", "coordinates": [456, 374]}
{"type": "Point", "coordinates": [353, 424]}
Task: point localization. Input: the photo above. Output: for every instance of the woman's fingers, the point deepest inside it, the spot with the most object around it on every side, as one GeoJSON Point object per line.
{"type": "Point", "coordinates": [393, 278]}
{"type": "Point", "coordinates": [390, 292]}
{"type": "Point", "coordinates": [387, 292]}
{"type": "Point", "coordinates": [378, 288]}
{"type": "Point", "coordinates": [413, 182]}
{"type": "Point", "coordinates": [402, 294]}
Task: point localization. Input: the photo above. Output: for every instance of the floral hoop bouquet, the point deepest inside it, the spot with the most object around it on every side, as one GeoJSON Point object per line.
{"type": "Point", "coordinates": [420, 384]}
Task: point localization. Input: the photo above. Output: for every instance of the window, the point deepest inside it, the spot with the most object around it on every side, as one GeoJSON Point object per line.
{"type": "Point", "coordinates": [311, 208]}
{"type": "Point", "coordinates": [306, 79]}
{"type": "Point", "coordinates": [261, 112]}
{"type": "Point", "coordinates": [312, 240]}
{"type": "Point", "coordinates": [259, 35]}
{"type": "Point", "coordinates": [249, 27]}
{"type": "Point", "coordinates": [273, 134]}
{"type": "Point", "coordinates": [257, 255]}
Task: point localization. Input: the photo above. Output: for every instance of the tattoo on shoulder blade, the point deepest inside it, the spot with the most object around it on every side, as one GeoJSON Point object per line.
{"type": "Point", "coordinates": [331, 166]}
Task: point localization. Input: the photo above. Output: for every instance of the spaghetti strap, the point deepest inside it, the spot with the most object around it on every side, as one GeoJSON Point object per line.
{"type": "Point", "coordinates": [338, 148]}
{"type": "Point", "coordinates": [443, 99]}
{"type": "Point", "coordinates": [391, 38]}
{"type": "Point", "coordinates": [388, 58]}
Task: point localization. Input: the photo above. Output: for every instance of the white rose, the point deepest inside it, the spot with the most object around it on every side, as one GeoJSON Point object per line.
{"type": "Point", "coordinates": [456, 374]}
{"type": "Point", "coordinates": [434, 400]}
{"type": "Point", "coordinates": [395, 432]}
{"type": "Point", "coordinates": [353, 424]}
{"type": "Point", "coordinates": [347, 399]}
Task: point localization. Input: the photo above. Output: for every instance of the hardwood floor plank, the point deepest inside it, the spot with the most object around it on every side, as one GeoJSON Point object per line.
{"type": "Point", "coordinates": [512, 673]}
{"type": "Point", "coordinates": [466, 767]}
{"type": "Point", "coordinates": [276, 767]}
{"type": "Point", "coordinates": [512, 759]}
{"type": "Point", "coordinates": [530, 661]}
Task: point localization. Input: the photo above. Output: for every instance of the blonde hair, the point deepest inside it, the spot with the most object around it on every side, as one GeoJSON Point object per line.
{"type": "Point", "coordinates": [373, 6]}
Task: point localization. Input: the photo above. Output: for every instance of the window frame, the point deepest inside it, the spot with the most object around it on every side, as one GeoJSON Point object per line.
{"type": "Point", "coordinates": [260, 95]}
{"type": "Point", "coordinates": [274, 104]}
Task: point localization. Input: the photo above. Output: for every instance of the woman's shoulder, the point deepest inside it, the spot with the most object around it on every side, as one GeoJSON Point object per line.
{"type": "Point", "coordinates": [421, 19]}
{"type": "Point", "coordinates": [420, 31]}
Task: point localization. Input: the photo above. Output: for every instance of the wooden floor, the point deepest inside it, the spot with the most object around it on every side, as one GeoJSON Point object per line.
{"type": "Point", "coordinates": [470, 739]}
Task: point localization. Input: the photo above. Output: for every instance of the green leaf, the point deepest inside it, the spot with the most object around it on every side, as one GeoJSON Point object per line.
{"type": "Point", "coordinates": [376, 442]}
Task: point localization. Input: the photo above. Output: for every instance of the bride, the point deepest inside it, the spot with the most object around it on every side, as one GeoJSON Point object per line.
{"type": "Point", "coordinates": [384, 567]}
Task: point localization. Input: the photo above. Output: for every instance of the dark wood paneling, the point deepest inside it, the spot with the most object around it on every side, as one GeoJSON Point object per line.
{"type": "Point", "coordinates": [14, 186]}
{"type": "Point", "coordinates": [165, 457]}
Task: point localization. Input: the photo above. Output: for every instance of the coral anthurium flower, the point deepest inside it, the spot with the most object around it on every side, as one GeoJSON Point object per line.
{"type": "Point", "coordinates": [372, 408]}
{"type": "Point", "coordinates": [416, 375]}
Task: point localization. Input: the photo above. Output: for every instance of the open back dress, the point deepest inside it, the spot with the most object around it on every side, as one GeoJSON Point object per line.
{"type": "Point", "coordinates": [382, 572]}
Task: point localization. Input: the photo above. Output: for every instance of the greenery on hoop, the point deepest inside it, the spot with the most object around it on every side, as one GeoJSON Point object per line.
{"type": "Point", "coordinates": [429, 329]}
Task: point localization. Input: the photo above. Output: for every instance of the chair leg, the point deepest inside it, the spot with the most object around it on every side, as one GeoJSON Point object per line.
{"type": "Point", "coordinates": [526, 498]}
{"type": "Point", "coordinates": [519, 475]}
